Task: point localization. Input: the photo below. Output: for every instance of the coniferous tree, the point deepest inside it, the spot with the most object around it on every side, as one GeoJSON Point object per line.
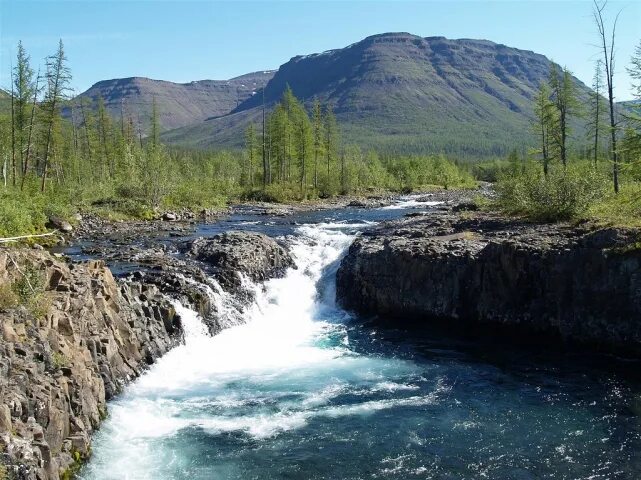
{"type": "Point", "coordinates": [58, 77]}
{"type": "Point", "coordinates": [544, 124]}
{"type": "Point", "coordinates": [318, 137]}
{"type": "Point", "coordinates": [632, 137]}
{"type": "Point", "coordinates": [104, 135]}
{"type": "Point", "coordinates": [607, 50]}
{"type": "Point", "coordinates": [32, 119]}
{"type": "Point", "coordinates": [250, 145]}
{"type": "Point", "coordinates": [565, 103]}
{"type": "Point", "coordinates": [155, 124]}
{"type": "Point", "coordinates": [331, 140]}
{"type": "Point", "coordinates": [303, 142]}
{"type": "Point", "coordinates": [595, 124]}
{"type": "Point", "coordinates": [24, 89]}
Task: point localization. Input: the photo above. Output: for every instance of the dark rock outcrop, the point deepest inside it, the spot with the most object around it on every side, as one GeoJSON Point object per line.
{"type": "Point", "coordinates": [255, 255]}
{"type": "Point", "coordinates": [71, 337]}
{"type": "Point", "coordinates": [579, 285]}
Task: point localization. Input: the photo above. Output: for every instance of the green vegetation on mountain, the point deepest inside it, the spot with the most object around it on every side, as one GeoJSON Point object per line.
{"type": "Point", "coordinates": [400, 93]}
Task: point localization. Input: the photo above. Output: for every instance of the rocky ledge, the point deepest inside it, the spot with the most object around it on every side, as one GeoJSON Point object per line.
{"type": "Point", "coordinates": [253, 254]}
{"type": "Point", "coordinates": [71, 337]}
{"type": "Point", "coordinates": [488, 273]}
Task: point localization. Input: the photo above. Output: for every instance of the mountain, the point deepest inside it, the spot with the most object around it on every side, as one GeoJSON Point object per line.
{"type": "Point", "coordinates": [404, 93]}
{"type": "Point", "coordinates": [178, 104]}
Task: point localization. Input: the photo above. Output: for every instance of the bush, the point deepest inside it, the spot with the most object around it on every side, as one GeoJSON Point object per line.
{"type": "Point", "coordinates": [8, 298]}
{"type": "Point", "coordinates": [621, 209]}
{"type": "Point", "coordinates": [564, 194]}
{"type": "Point", "coordinates": [20, 216]}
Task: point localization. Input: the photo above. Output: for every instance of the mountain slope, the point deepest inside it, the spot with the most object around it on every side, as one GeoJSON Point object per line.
{"type": "Point", "coordinates": [178, 104]}
{"type": "Point", "coordinates": [400, 92]}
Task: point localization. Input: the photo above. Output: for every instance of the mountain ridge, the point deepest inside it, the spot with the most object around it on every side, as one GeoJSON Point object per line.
{"type": "Point", "coordinates": [407, 94]}
{"type": "Point", "coordinates": [393, 92]}
{"type": "Point", "coordinates": [178, 104]}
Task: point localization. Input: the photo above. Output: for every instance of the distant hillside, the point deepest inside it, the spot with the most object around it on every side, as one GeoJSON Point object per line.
{"type": "Point", "coordinates": [400, 92]}
{"type": "Point", "coordinates": [179, 104]}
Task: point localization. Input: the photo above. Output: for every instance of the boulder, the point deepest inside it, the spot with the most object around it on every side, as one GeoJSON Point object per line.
{"type": "Point", "coordinates": [59, 224]}
{"type": "Point", "coordinates": [255, 255]}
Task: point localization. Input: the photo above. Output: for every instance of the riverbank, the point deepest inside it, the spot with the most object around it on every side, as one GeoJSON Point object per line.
{"type": "Point", "coordinates": [72, 336]}
{"type": "Point", "coordinates": [484, 271]}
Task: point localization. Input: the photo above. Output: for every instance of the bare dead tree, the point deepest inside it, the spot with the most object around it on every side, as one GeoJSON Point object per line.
{"type": "Point", "coordinates": [607, 43]}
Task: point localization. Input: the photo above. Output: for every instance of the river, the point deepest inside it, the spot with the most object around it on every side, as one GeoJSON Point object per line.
{"type": "Point", "coordinates": [299, 389]}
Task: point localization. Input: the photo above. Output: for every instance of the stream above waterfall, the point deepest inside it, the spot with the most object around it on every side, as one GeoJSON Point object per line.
{"type": "Point", "coordinates": [304, 390]}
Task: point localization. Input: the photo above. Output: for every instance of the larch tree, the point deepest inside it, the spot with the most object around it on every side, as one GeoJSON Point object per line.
{"type": "Point", "coordinates": [303, 143]}
{"type": "Point", "coordinates": [632, 138]}
{"type": "Point", "coordinates": [565, 103]}
{"type": "Point", "coordinates": [24, 89]}
{"type": "Point", "coordinates": [250, 145]}
{"type": "Point", "coordinates": [57, 77]}
{"type": "Point", "coordinates": [595, 124]}
{"type": "Point", "coordinates": [606, 47]}
{"type": "Point", "coordinates": [318, 137]}
{"type": "Point", "coordinates": [266, 158]}
{"type": "Point", "coordinates": [331, 138]}
{"type": "Point", "coordinates": [32, 120]}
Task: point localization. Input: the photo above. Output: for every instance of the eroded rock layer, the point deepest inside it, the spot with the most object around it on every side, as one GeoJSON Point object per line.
{"type": "Point", "coordinates": [581, 285]}
{"type": "Point", "coordinates": [71, 337]}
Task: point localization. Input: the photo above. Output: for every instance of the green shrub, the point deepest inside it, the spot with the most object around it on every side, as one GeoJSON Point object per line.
{"type": "Point", "coordinates": [621, 209]}
{"type": "Point", "coordinates": [8, 298]}
{"type": "Point", "coordinates": [29, 284]}
{"type": "Point", "coordinates": [564, 194]}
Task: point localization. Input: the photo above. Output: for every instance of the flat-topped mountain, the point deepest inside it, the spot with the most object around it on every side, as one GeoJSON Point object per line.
{"type": "Point", "coordinates": [178, 104]}
{"type": "Point", "coordinates": [400, 92]}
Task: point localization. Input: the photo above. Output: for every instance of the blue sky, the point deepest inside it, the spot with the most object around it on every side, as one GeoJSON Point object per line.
{"type": "Point", "coordinates": [192, 40]}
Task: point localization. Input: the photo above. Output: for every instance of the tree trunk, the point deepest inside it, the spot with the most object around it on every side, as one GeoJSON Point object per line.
{"type": "Point", "coordinates": [13, 132]}
{"type": "Point", "coordinates": [31, 121]}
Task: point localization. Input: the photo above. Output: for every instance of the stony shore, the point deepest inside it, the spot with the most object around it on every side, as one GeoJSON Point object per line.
{"type": "Point", "coordinates": [482, 272]}
{"type": "Point", "coordinates": [72, 336]}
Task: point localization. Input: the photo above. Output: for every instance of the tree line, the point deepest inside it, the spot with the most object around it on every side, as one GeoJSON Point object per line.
{"type": "Point", "coordinates": [556, 103]}
{"type": "Point", "coordinates": [59, 154]}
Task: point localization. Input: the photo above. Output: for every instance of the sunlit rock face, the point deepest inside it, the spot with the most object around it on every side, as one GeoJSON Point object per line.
{"type": "Point", "coordinates": [71, 345]}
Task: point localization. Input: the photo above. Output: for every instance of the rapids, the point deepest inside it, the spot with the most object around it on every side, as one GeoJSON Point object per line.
{"type": "Point", "coordinates": [301, 390]}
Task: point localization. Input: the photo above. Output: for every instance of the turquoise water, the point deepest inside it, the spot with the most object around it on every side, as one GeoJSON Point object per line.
{"type": "Point", "coordinates": [302, 391]}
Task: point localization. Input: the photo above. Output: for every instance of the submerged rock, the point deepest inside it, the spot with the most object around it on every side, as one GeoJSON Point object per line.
{"type": "Point", "coordinates": [582, 286]}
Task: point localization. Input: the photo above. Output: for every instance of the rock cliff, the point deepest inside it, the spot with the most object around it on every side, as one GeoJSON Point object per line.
{"type": "Point", "coordinates": [579, 285]}
{"type": "Point", "coordinates": [71, 338]}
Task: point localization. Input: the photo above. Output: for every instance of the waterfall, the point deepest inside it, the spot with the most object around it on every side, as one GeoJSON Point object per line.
{"type": "Point", "coordinates": [294, 388]}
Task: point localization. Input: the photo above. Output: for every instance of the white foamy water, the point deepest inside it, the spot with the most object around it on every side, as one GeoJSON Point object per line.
{"type": "Point", "coordinates": [280, 369]}
{"type": "Point", "coordinates": [411, 201]}
{"type": "Point", "coordinates": [293, 389]}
